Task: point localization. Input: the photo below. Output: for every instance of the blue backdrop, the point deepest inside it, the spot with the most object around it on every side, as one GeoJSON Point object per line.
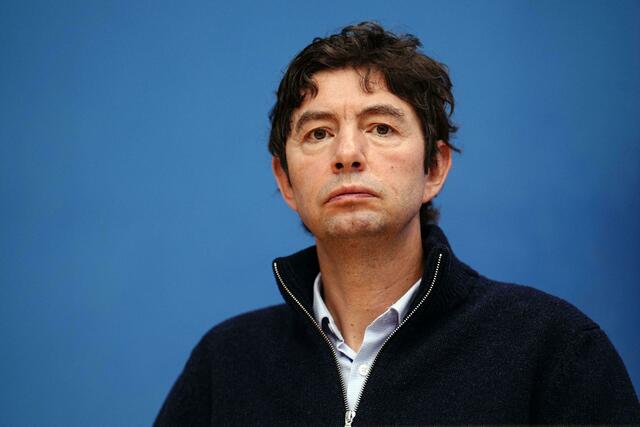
{"type": "Point", "coordinates": [138, 207]}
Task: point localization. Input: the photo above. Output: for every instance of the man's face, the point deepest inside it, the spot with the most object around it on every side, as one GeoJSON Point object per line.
{"type": "Point", "coordinates": [355, 159]}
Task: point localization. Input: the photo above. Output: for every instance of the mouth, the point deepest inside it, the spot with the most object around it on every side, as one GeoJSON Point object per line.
{"type": "Point", "coordinates": [350, 193]}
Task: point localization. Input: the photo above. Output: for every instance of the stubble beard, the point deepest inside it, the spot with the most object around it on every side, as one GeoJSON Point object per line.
{"type": "Point", "coordinates": [368, 224]}
{"type": "Point", "coordinates": [350, 225]}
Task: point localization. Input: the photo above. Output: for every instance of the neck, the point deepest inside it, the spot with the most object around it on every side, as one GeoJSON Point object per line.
{"type": "Point", "coordinates": [363, 277]}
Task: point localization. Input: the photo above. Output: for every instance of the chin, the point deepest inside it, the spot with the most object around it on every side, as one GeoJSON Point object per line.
{"type": "Point", "coordinates": [350, 226]}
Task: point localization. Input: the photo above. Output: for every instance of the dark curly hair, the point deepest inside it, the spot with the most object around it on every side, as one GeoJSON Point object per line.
{"type": "Point", "coordinates": [409, 74]}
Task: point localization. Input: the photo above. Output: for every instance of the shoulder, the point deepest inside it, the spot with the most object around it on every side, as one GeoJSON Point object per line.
{"type": "Point", "coordinates": [526, 309]}
{"type": "Point", "coordinates": [576, 374]}
{"type": "Point", "coordinates": [258, 327]}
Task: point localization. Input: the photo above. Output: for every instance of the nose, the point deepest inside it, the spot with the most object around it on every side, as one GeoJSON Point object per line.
{"type": "Point", "coordinates": [349, 155]}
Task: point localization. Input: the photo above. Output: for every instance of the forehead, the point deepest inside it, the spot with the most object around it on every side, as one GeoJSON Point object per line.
{"type": "Point", "coordinates": [349, 89]}
{"type": "Point", "coordinates": [362, 80]}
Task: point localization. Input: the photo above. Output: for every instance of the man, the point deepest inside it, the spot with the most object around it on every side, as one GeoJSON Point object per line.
{"type": "Point", "coordinates": [382, 324]}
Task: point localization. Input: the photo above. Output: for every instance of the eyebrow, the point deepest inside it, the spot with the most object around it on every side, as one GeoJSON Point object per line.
{"type": "Point", "coordinates": [382, 110]}
{"type": "Point", "coordinates": [309, 116]}
{"type": "Point", "coordinates": [378, 109]}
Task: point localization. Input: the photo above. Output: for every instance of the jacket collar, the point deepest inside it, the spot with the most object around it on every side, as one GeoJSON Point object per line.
{"type": "Point", "coordinates": [451, 278]}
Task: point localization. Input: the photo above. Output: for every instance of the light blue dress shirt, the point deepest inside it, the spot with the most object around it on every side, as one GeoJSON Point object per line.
{"type": "Point", "coordinates": [354, 366]}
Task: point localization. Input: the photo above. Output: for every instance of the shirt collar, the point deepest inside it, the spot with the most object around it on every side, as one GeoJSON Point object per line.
{"type": "Point", "coordinates": [320, 310]}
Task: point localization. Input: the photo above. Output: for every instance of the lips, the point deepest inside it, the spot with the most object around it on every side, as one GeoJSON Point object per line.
{"type": "Point", "coordinates": [349, 193]}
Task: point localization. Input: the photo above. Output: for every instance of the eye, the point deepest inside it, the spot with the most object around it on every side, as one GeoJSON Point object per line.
{"type": "Point", "coordinates": [382, 130]}
{"type": "Point", "coordinates": [317, 135]}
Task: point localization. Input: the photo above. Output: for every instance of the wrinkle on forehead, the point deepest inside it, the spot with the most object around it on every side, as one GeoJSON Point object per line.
{"type": "Point", "coordinates": [371, 80]}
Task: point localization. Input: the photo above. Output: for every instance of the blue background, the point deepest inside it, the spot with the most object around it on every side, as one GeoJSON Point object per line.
{"type": "Point", "coordinates": [138, 207]}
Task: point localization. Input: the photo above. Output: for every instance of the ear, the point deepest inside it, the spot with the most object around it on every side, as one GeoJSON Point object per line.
{"type": "Point", "coordinates": [284, 185]}
{"type": "Point", "coordinates": [437, 172]}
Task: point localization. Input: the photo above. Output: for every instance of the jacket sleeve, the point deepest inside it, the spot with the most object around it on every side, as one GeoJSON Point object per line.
{"type": "Point", "coordinates": [587, 383]}
{"type": "Point", "coordinates": [189, 401]}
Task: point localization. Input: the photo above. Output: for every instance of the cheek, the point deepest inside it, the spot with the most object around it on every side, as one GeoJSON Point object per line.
{"type": "Point", "coordinates": [302, 183]}
{"type": "Point", "coordinates": [405, 164]}
{"type": "Point", "coordinates": [406, 175]}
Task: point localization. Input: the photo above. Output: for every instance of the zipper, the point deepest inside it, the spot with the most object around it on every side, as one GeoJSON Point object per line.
{"type": "Point", "coordinates": [406, 318]}
{"type": "Point", "coordinates": [347, 418]}
{"type": "Point", "coordinates": [350, 415]}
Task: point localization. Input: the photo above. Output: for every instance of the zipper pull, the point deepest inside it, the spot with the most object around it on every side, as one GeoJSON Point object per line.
{"type": "Point", "coordinates": [348, 418]}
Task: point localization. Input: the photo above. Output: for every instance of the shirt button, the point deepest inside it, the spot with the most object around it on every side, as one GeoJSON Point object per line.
{"type": "Point", "coordinates": [363, 370]}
